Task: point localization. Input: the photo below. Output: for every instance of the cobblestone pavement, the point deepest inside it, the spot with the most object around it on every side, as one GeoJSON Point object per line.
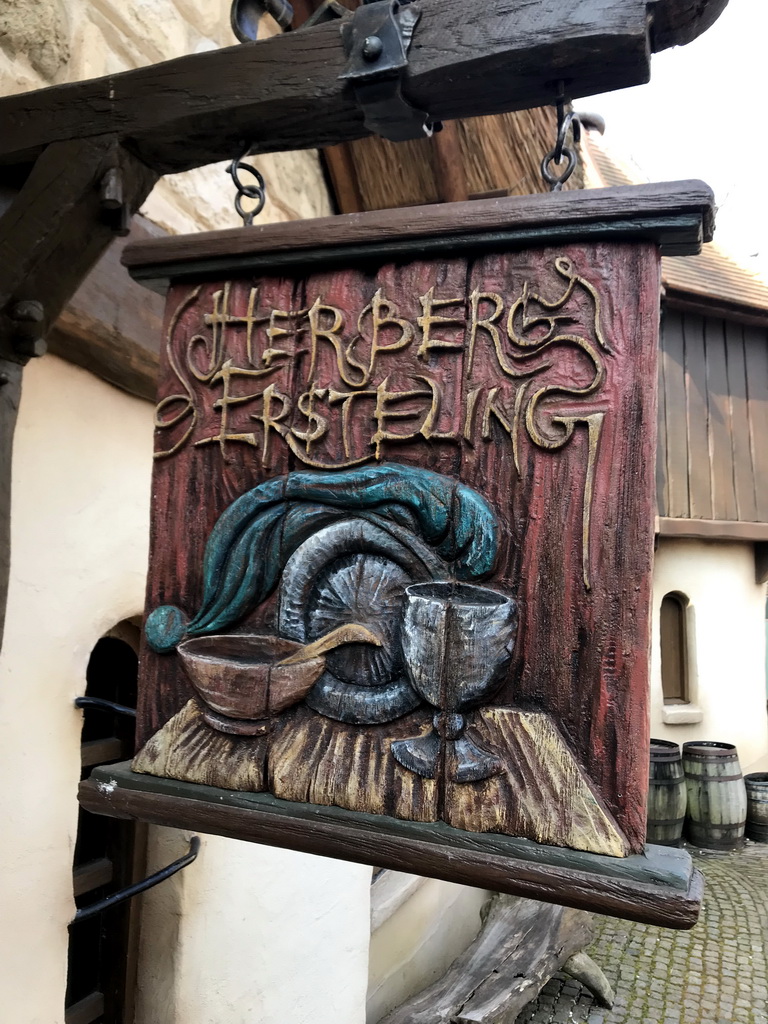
{"type": "Point", "coordinates": [714, 974]}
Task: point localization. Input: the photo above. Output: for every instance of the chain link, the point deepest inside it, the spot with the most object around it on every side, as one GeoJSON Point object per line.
{"type": "Point", "coordinates": [560, 152]}
{"type": "Point", "coordinates": [257, 192]}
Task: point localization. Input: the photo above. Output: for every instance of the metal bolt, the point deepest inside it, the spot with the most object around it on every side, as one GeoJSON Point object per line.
{"type": "Point", "coordinates": [28, 319]}
{"type": "Point", "coordinates": [28, 312]}
{"type": "Point", "coordinates": [372, 48]}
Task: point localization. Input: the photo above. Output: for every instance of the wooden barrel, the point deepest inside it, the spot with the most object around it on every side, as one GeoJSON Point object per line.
{"type": "Point", "coordinates": [757, 806]}
{"type": "Point", "coordinates": [717, 797]}
{"type": "Point", "coordinates": [667, 797]}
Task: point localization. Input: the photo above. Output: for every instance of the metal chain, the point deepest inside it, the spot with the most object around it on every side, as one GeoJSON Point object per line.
{"type": "Point", "coordinates": [257, 191]}
{"type": "Point", "coordinates": [560, 152]}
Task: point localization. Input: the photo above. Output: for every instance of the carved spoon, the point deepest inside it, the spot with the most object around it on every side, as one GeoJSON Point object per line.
{"type": "Point", "coordinates": [351, 633]}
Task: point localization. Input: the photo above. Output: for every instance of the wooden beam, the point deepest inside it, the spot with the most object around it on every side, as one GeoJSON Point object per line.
{"type": "Point", "coordinates": [449, 165]}
{"type": "Point", "coordinates": [112, 326]}
{"type": "Point", "coordinates": [468, 57]}
{"type": "Point", "coordinates": [712, 529]}
{"type": "Point", "coordinates": [679, 214]}
{"type": "Point", "coordinates": [56, 227]}
{"type": "Point", "coordinates": [676, 22]}
{"type": "Point", "coordinates": [660, 887]}
{"type": "Point", "coordinates": [711, 305]}
{"type": "Point", "coordinates": [521, 945]}
{"type": "Point", "coordinates": [51, 232]}
{"type": "Point", "coordinates": [341, 168]}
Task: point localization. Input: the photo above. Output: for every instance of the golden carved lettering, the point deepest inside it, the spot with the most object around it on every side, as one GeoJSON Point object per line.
{"type": "Point", "coordinates": [433, 415]}
{"type": "Point", "coordinates": [469, 415]}
{"type": "Point", "coordinates": [383, 412]}
{"type": "Point", "coordinates": [347, 398]}
{"type": "Point", "coordinates": [488, 324]}
{"type": "Point", "coordinates": [187, 400]}
{"type": "Point", "coordinates": [220, 318]}
{"type": "Point", "coordinates": [524, 334]}
{"type": "Point", "coordinates": [227, 374]}
{"type": "Point", "coordinates": [271, 421]}
{"type": "Point", "coordinates": [345, 359]}
{"type": "Point", "coordinates": [429, 318]}
{"type": "Point", "coordinates": [317, 425]}
{"type": "Point", "coordinates": [274, 331]}
{"type": "Point", "coordinates": [384, 313]}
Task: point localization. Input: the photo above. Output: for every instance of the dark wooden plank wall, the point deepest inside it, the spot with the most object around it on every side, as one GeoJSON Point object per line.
{"type": "Point", "coordinates": [713, 419]}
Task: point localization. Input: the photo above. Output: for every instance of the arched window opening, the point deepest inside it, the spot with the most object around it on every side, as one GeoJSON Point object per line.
{"type": "Point", "coordinates": [109, 853]}
{"type": "Point", "coordinates": [675, 682]}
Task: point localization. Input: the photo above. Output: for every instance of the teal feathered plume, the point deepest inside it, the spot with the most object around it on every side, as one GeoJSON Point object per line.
{"type": "Point", "coordinates": [254, 538]}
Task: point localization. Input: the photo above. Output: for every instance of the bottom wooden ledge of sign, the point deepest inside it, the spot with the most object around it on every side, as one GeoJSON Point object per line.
{"type": "Point", "coordinates": [658, 887]}
{"type": "Point", "coordinates": [543, 794]}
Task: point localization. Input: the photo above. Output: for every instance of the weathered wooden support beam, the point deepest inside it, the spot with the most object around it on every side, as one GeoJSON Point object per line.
{"type": "Point", "coordinates": [112, 326]}
{"type": "Point", "coordinates": [521, 945]}
{"type": "Point", "coordinates": [468, 57]}
{"type": "Point", "coordinates": [51, 232]}
{"type": "Point", "coordinates": [59, 224]}
{"type": "Point", "coordinates": [676, 22]}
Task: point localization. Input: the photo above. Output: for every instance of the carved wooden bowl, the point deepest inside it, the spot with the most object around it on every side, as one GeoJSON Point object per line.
{"type": "Point", "coordinates": [239, 681]}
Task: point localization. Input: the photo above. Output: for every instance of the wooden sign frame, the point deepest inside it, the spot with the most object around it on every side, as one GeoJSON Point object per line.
{"type": "Point", "coordinates": [524, 480]}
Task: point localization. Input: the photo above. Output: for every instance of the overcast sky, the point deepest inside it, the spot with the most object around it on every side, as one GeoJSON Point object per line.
{"type": "Point", "coordinates": [704, 115]}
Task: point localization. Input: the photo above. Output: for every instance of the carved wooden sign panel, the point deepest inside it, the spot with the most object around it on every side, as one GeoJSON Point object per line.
{"type": "Point", "coordinates": [402, 536]}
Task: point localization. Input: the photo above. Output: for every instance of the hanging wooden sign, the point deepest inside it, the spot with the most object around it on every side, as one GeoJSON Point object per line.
{"type": "Point", "coordinates": [398, 605]}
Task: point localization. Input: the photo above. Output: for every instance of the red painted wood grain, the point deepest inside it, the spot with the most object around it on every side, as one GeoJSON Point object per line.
{"type": "Point", "coordinates": [582, 655]}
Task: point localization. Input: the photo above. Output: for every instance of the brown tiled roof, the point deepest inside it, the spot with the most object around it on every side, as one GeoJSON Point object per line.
{"type": "Point", "coordinates": [713, 275]}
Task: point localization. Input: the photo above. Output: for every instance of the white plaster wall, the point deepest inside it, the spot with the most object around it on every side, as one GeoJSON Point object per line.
{"type": "Point", "coordinates": [729, 636]}
{"type": "Point", "coordinates": [80, 498]}
{"type": "Point", "coordinates": [418, 942]}
{"type": "Point", "coordinates": [253, 935]}
{"type": "Point", "coordinates": [246, 934]}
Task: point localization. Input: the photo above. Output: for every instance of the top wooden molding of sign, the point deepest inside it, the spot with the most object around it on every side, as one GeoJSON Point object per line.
{"type": "Point", "coordinates": [678, 215]}
{"type": "Point", "coordinates": [469, 57]}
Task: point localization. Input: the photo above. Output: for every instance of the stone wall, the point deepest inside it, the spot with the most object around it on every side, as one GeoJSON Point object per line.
{"type": "Point", "coordinates": [47, 42]}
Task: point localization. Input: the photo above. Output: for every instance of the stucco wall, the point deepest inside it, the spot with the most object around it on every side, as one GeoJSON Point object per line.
{"type": "Point", "coordinates": [80, 497]}
{"type": "Point", "coordinates": [253, 935]}
{"type": "Point", "coordinates": [727, 624]}
{"type": "Point", "coordinates": [247, 934]}
{"type": "Point", "coordinates": [419, 941]}
{"type": "Point", "coordinates": [44, 42]}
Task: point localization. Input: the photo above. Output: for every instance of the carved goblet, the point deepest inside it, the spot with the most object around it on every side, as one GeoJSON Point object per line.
{"type": "Point", "coordinates": [457, 642]}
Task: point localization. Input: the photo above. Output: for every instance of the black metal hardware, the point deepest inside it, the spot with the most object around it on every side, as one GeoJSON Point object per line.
{"type": "Point", "coordinates": [329, 10]}
{"type": "Point", "coordinates": [28, 329]}
{"type": "Point", "coordinates": [376, 40]}
{"type": "Point", "coordinates": [244, 16]}
{"type": "Point", "coordinates": [257, 192]}
{"type": "Point", "coordinates": [560, 152]}
{"type": "Point", "coordinates": [148, 883]}
{"type": "Point", "coordinates": [104, 705]}
{"type": "Point", "coordinates": [112, 195]}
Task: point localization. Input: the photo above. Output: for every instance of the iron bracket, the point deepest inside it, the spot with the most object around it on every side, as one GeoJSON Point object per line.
{"type": "Point", "coordinates": [376, 40]}
{"type": "Point", "coordinates": [84, 913]}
